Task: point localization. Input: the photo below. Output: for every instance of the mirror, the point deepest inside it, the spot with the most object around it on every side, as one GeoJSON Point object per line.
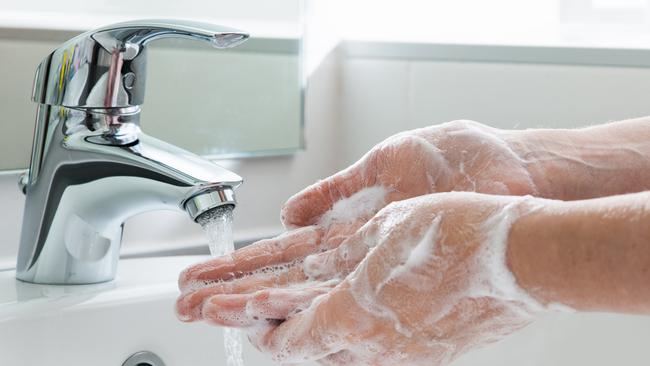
{"type": "Point", "coordinates": [240, 101]}
{"type": "Point", "coordinates": [244, 101]}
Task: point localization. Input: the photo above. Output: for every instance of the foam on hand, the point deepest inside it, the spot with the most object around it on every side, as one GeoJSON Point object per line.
{"type": "Point", "coordinates": [415, 254]}
{"type": "Point", "coordinates": [362, 204]}
{"type": "Point", "coordinates": [497, 280]}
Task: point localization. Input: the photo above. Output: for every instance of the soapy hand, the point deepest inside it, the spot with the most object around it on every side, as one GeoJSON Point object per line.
{"type": "Point", "coordinates": [422, 282]}
{"type": "Point", "coordinates": [455, 156]}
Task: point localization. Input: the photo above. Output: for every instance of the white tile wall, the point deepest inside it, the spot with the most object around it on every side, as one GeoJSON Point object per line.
{"type": "Point", "coordinates": [526, 95]}
{"type": "Point", "coordinates": [381, 97]}
{"type": "Point", "coordinates": [374, 103]}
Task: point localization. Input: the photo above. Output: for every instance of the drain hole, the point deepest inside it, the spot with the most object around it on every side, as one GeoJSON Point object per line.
{"type": "Point", "coordinates": [143, 358]}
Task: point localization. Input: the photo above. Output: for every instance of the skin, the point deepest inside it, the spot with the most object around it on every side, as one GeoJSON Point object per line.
{"type": "Point", "coordinates": [586, 254]}
{"type": "Point", "coordinates": [595, 254]}
{"type": "Point", "coordinates": [591, 162]}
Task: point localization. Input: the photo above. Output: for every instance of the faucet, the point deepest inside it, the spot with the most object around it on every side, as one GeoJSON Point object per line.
{"type": "Point", "coordinates": [92, 167]}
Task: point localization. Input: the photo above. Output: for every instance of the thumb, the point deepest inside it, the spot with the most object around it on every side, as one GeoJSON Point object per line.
{"type": "Point", "coordinates": [306, 207]}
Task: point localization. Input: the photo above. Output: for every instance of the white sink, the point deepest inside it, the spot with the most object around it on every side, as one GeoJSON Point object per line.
{"type": "Point", "coordinates": [102, 325]}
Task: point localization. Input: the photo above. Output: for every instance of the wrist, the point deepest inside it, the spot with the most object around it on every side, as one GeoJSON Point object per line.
{"type": "Point", "coordinates": [589, 255]}
{"type": "Point", "coordinates": [494, 258]}
{"type": "Point", "coordinates": [527, 247]}
{"type": "Point", "coordinates": [549, 160]}
{"type": "Point", "coordinates": [583, 163]}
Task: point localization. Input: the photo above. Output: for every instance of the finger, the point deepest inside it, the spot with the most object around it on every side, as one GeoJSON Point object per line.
{"type": "Point", "coordinates": [245, 310]}
{"type": "Point", "coordinates": [333, 264]}
{"type": "Point", "coordinates": [337, 232]}
{"type": "Point", "coordinates": [323, 329]}
{"type": "Point", "coordinates": [189, 304]}
{"type": "Point", "coordinates": [228, 310]}
{"type": "Point", "coordinates": [285, 248]}
{"type": "Point", "coordinates": [338, 262]}
{"type": "Point", "coordinates": [279, 304]}
{"type": "Point", "coordinates": [306, 207]}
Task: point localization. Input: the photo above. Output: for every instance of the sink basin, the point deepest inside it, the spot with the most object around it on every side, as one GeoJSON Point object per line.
{"type": "Point", "coordinates": [103, 324]}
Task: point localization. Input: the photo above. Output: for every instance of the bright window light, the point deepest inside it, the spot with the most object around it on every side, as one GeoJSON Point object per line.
{"type": "Point", "coordinates": [588, 23]}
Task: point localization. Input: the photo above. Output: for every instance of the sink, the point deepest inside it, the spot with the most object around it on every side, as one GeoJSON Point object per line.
{"type": "Point", "coordinates": [103, 324]}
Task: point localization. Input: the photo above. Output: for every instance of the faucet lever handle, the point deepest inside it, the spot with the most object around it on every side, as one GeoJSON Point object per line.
{"type": "Point", "coordinates": [106, 68]}
{"type": "Point", "coordinates": [129, 36]}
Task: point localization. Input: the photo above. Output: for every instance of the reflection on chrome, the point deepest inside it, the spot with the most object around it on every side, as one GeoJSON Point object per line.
{"type": "Point", "coordinates": [92, 167]}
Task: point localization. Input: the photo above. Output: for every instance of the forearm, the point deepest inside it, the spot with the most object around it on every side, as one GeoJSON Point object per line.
{"type": "Point", "coordinates": [591, 255]}
{"type": "Point", "coordinates": [586, 163]}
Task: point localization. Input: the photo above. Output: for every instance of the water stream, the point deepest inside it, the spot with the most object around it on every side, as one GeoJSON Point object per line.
{"type": "Point", "coordinates": [217, 225]}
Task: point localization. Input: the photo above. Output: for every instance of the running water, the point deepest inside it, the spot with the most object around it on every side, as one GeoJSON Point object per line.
{"type": "Point", "coordinates": [217, 225]}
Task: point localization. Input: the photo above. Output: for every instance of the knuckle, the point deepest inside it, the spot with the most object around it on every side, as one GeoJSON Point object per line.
{"type": "Point", "coordinates": [462, 124]}
{"type": "Point", "coordinates": [186, 277]}
{"type": "Point", "coordinates": [183, 309]}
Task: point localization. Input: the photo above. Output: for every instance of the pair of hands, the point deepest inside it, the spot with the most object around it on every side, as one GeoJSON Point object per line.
{"type": "Point", "coordinates": [380, 266]}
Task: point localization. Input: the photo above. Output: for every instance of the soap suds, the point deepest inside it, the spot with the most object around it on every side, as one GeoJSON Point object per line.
{"type": "Point", "coordinates": [364, 203]}
{"type": "Point", "coordinates": [491, 287]}
{"type": "Point", "coordinates": [415, 256]}
{"type": "Point", "coordinates": [495, 279]}
{"type": "Point", "coordinates": [366, 297]}
{"type": "Point", "coordinates": [285, 347]}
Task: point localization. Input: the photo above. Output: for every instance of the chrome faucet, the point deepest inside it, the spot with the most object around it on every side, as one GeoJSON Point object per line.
{"type": "Point", "coordinates": [92, 167]}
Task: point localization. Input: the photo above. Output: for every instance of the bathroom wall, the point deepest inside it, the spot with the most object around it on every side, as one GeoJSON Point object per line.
{"type": "Point", "coordinates": [384, 94]}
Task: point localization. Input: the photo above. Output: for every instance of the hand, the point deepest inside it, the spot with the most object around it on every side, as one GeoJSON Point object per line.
{"type": "Point", "coordinates": [456, 156]}
{"type": "Point", "coordinates": [422, 282]}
